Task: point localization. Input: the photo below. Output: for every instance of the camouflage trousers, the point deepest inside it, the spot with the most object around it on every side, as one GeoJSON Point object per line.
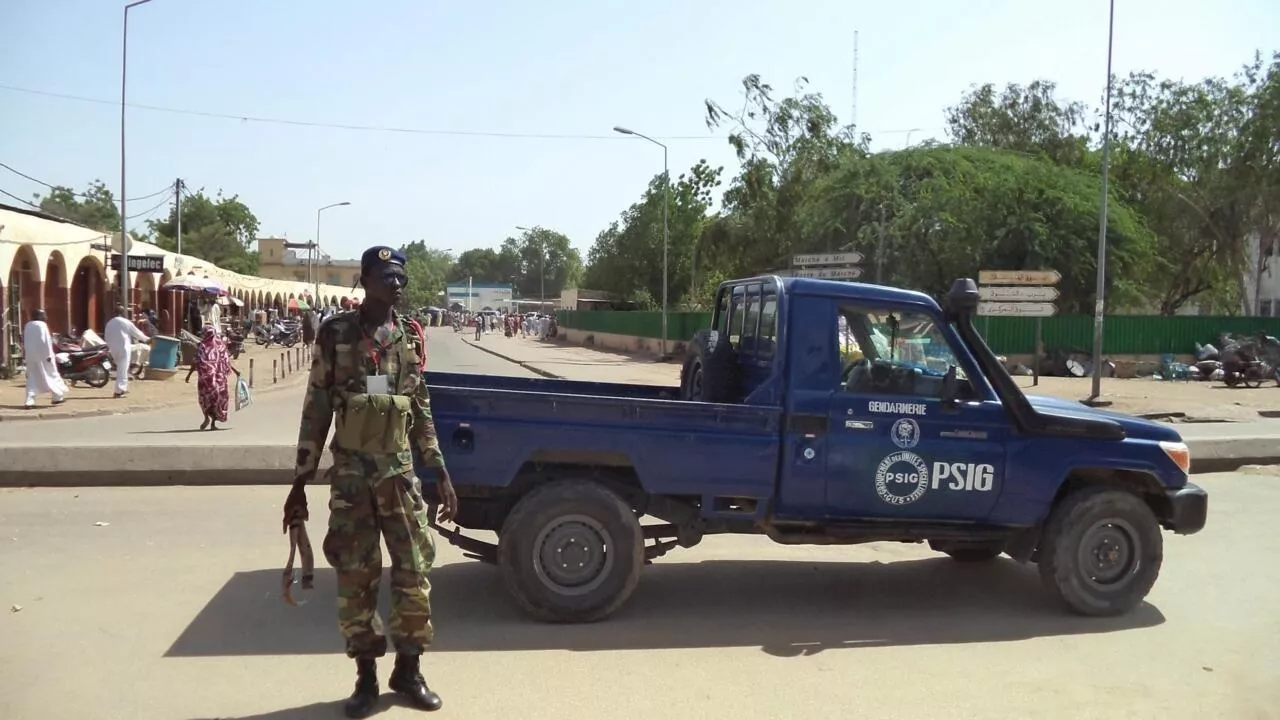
{"type": "Point", "coordinates": [362, 512]}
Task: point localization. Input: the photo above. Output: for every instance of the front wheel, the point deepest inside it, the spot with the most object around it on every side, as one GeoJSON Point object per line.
{"type": "Point", "coordinates": [1101, 551]}
{"type": "Point", "coordinates": [571, 551]}
{"type": "Point", "coordinates": [96, 376]}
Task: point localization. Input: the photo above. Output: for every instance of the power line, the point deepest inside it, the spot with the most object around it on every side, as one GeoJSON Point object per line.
{"type": "Point", "coordinates": [368, 128]}
{"type": "Point", "coordinates": [38, 181]}
{"type": "Point", "coordinates": [157, 206]}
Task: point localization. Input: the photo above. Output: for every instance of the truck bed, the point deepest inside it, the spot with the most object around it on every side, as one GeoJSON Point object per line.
{"type": "Point", "coordinates": [490, 427]}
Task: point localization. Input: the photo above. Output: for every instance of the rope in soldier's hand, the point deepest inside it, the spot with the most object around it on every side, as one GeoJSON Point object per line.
{"type": "Point", "coordinates": [299, 544]}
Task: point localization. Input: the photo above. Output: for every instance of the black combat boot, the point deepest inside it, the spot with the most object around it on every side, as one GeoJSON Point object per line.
{"type": "Point", "coordinates": [365, 698]}
{"type": "Point", "coordinates": [407, 680]}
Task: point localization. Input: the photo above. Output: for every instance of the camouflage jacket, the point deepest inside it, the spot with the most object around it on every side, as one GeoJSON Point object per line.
{"type": "Point", "coordinates": [343, 357]}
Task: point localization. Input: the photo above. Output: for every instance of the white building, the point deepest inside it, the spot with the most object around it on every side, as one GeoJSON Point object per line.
{"type": "Point", "coordinates": [1262, 285]}
{"type": "Point", "coordinates": [478, 295]}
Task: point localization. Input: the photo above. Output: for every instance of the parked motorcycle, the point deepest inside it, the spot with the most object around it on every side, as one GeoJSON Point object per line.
{"type": "Point", "coordinates": [93, 366]}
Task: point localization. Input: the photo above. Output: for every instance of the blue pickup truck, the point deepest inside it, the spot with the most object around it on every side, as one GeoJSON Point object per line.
{"type": "Point", "coordinates": [812, 412]}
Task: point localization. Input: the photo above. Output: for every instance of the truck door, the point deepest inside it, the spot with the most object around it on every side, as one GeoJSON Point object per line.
{"type": "Point", "coordinates": [894, 451]}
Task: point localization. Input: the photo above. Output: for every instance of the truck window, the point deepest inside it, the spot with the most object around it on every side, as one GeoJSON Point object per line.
{"type": "Point", "coordinates": [736, 302]}
{"type": "Point", "coordinates": [768, 321]}
{"type": "Point", "coordinates": [751, 321]}
{"type": "Point", "coordinates": [889, 352]}
{"type": "Point", "coordinates": [721, 320]}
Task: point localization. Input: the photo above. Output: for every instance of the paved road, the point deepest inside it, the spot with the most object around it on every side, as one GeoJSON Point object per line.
{"type": "Point", "coordinates": [171, 612]}
{"type": "Point", "coordinates": [271, 420]}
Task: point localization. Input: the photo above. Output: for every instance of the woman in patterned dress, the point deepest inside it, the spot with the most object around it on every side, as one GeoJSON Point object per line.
{"type": "Point", "coordinates": [212, 364]}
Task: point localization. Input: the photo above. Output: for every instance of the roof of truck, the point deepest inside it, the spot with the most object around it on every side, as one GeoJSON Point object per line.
{"type": "Point", "coordinates": [843, 288]}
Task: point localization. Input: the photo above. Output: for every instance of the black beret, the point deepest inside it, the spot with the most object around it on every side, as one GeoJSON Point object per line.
{"type": "Point", "coordinates": [380, 255]}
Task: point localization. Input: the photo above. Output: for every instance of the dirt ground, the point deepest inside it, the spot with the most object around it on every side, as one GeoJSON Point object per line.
{"type": "Point", "coordinates": [1197, 400]}
{"type": "Point", "coordinates": [143, 394]}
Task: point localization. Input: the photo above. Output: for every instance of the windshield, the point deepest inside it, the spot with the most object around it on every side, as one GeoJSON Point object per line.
{"type": "Point", "coordinates": [902, 339]}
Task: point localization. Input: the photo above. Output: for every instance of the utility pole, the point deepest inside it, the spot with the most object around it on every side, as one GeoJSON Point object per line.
{"type": "Point", "coordinates": [1100, 291]}
{"type": "Point", "coordinates": [880, 247]}
{"type": "Point", "coordinates": [177, 194]}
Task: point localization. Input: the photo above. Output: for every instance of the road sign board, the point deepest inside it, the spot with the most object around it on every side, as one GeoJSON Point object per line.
{"type": "Point", "coordinates": [1019, 277]}
{"type": "Point", "coordinates": [845, 258]}
{"type": "Point", "coordinates": [828, 273]}
{"type": "Point", "coordinates": [1017, 309]}
{"type": "Point", "coordinates": [1018, 293]}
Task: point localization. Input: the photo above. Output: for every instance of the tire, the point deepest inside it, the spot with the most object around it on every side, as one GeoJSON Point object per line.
{"type": "Point", "coordinates": [96, 376]}
{"type": "Point", "coordinates": [713, 372]}
{"type": "Point", "coordinates": [1086, 522]}
{"type": "Point", "coordinates": [553, 518]}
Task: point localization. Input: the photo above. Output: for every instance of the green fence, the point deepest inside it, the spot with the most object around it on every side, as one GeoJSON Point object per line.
{"type": "Point", "coordinates": [1122, 334]}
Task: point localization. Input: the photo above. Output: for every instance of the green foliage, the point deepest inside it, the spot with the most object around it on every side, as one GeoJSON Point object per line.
{"type": "Point", "coordinates": [427, 269]}
{"type": "Point", "coordinates": [220, 230]}
{"type": "Point", "coordinates": [96, 207]}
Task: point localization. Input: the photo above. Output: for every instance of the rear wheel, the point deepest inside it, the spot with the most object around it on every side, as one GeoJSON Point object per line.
{"type": "Point", "coordinates": [571, 551]}
{"type": "Point", "coordinates": [1101, 551]}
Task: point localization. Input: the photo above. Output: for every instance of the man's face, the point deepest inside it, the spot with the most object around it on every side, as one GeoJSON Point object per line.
{"type": "Point", "coordinates": [385, 283]}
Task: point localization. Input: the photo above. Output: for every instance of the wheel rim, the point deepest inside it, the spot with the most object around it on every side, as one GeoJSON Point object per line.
{"type": "Point", "coordinates": [98, 374]}
{"type": "Point", "coordinates": [572, 556]}
{"type": "Point", "coordinates": [695, 382]}
{"type": "Point", "coordinates": [1109, 554]}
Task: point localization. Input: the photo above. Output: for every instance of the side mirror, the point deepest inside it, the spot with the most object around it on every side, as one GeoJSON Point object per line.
{"type": "Point", "coordinates": [950, 399]}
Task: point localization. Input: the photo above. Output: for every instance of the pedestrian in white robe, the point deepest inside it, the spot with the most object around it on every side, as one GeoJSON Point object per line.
{"type": "Point", "coordinates": [121, 332]}
{"type": "Point", "coordinates": [42, 367]}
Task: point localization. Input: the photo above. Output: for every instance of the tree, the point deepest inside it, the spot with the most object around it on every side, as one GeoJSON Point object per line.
{"type": "Point", "coordinates": [220, 230]}
{"type": "Point", "coordinates": [1195, 159]}
{"type": "Point", "coordinates": [485, 265]}
{"type": "Point", "coordinates": [544, 260]}
{"type": "Point", "coordinates": [1028, 120]}
{"type": "Point", "coordinates": [427, 269]}
{"type": "Point", "coordinates": [95, 208]}
{"type": "Point", "coordinates": [784, 145]}
{"type": "Point", "coordinates": [627, 257]}
{"type": "Point", "coordinates": [952, 211]}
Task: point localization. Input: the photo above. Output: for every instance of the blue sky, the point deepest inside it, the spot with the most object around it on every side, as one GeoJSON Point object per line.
{"type": "Point", "coordinates": [553, 68]}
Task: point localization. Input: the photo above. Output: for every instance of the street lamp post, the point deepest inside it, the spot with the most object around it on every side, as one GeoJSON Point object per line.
{"type": "Point", "coordinates": [666, 192]}
{"type": "Point", "coordinates": [1100, 293]}
{"type": "Point", "coordinates": [542, 272]}
{"type": "Point", "coordinates": [124, 230]}
{"type": "Point", "coordinates": [315, 254]}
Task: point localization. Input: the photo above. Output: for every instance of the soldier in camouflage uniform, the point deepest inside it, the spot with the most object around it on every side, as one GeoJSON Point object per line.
{"type": "Point", "coordinates": [367, 373]}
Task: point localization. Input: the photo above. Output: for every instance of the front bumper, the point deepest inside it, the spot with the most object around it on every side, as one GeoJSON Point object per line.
{"type": "Point", "coordinates": [1189, 508]}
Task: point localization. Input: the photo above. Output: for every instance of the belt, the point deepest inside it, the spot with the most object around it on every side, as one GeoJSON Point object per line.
{"type": "Point", "coordinates": [299, 544]}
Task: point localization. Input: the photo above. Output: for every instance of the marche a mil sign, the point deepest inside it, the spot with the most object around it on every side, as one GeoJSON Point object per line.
{"type": "Point", "coordinates": [845, 258]}
{"type": "Point", "coordinates": [140, 263]}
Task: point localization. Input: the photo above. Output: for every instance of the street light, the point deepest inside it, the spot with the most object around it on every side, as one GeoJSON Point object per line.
{"type": "Point", "coordinates": [315, 255]}
{"type": "Point", "coordinates": [666, 191]}
{"type": "Point", "coordinates": [124, 230]}
{"type": "Point", "coordinates": [542, 272]}
{"type": "Point", "coordinates": [1100, 293]}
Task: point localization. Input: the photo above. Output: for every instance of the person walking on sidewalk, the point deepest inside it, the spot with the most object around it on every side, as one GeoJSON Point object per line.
{"type": "Point", "coordinates": [120, 334]}
{"type": "Point", "coordinates": [367, 372]}
{"type": "Point", "coordinates": [212, 363]}
{"type": "Point", "coordinates": [42, 367]}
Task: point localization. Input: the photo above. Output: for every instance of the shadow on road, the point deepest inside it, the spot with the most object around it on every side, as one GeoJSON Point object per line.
{"type": "Point", "coordinates": [785, 608]}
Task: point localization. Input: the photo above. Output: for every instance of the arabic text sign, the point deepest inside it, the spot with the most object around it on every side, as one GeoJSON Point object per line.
{"type": "Point", "coordinates": [1019, 277]}
{"type": "Point", "coordinates": [1018, 293]}
{"type": "Point", "coordinates": [1017, 309]}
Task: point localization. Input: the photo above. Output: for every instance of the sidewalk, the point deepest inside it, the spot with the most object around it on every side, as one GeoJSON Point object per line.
{"type": "Point", "coordinates": [574, 362]}
{"type": "Point", "coordinates": [84, 401]}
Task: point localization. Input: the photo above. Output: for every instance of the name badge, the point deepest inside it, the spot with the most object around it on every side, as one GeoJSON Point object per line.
{"type": "Point", "coordinates": [376, 385]}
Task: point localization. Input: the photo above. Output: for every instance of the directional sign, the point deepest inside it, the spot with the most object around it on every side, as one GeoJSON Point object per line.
{"type": "Point", "coordinates": [1019, 277]}
{"type": "Point", "coordinates": [846, 258]}
{"type": "Point", "coordinates": [1017, 309]}
{"type": "Point", "coordinates": [140, 263]}
{"type": "Point", "coordinates": [1018, 294]}
{"type": "Point", "coordinates": [829, 273]}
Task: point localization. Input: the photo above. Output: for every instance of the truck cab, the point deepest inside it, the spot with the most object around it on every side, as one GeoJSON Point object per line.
{"type": "Point", "coordinates": [813, 412]}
